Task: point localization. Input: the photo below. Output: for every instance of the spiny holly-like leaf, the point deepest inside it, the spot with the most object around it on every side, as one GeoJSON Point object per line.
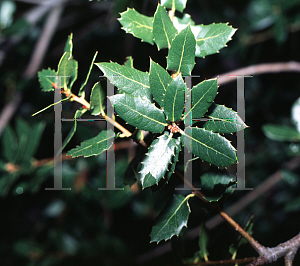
{"type": "Point", "coordinates": [129, 80]}
{"type": "Point", "coordinates": [181, 55]}
{"type": "Point", "coordinates": [181, 23]}
{"type": "Point", "coordinates": [137, 24]}
{"type": "Point", "coordinates": [159, 80]}
{"type": "Point", "coordinates": [139, 112]}
{"type": "Point", "coordinates": [174, 99]}
{"type": "Point", "coordinates": [67, 70]}
{"type": "Point", "coordinates": [203, 94]}
{"type": "Point", "coordinates": [210, 147]}
{"type": "Point", "coordinates": [224, 120]}
{"type": "Point", "coordinates": [93, 146]}
{"type": "Point", "coordinates": [172, 219]}
{"type": "Point", "coordinates": [211, 38]}
{"type": "Point", "coordinates": [97, 99]}
{"type": "Point", "coordinates": [129, 62]}
{"type": "Point", "coordinates": [69, 44]}
{"type": "Point", "coordinates": [157, 160]}
{"type": "Point", "coordinates": [46, 78]}
{"type": "Point", "coordinates": [281, 132]}
{"type": "Point", "coordinates": [174, 159]}
{"type": "Point", "coordinates": [174, 4]}
{"type": "Point", "coordinates": [79, 113]}
{"type": "Point", "coordinates": [163, 28]}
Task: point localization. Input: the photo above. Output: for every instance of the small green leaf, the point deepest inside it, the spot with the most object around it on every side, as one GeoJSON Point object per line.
{"type": "Point", "coordinates": [224, 120]}
{"type": "Point", "coordinates": [139, 112]}
{"type": "Point", "coordinates": [174, 4]}
{"type": "Point", "coordinates": [203, 240]}
{"type": "Point", "coordinates": [163, 28]}
{"type": "Point", "coordinates": [93, 146]}
{"type": "Point", "coordinates": [129, 80]}
{"type": "Point", "coordinates": [157, 160]}
{"type": "Point", "coordinates": [81, 90]}
{"type": "Point", "coordinates": [69, 44]}
{"type": "Point", "coordinates": [281, 133]}
{"type": "Point", "coordinates": [210, 147]}
{"type": "Point", "coordinates": [172, 219]}
{"type": "Point", "coordinates": [138, 25]}
{"type": "Point", "coordinates": [211, 38]}
{"type": "Point", "coordinates": [46, 78]}
{"type": "Point", "coordinates": [77, 115]}
{"type": "Point", "coordinates": [97, 99]}
{"type": "Point", "coordinates": [159, 80]}
{"type": "Point", "coordinates": [181, 55]}
{"type": "Point", "coordinates": [174, 99]}
{"type": "Point", "coordinates": [67, 70]}
{"type": "Point", "coordinates": [203, 94]}
{"type": "Point", "coordinates": [129, 62]}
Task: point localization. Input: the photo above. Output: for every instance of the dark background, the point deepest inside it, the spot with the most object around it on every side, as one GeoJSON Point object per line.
{"type": "Point", "coordinates": [85, 226]}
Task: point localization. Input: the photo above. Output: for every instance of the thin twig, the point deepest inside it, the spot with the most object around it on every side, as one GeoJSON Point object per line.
{"type": "Point", "coordinates": [222, 262]}
{"type": "Point", "coordinates": [291, 66]}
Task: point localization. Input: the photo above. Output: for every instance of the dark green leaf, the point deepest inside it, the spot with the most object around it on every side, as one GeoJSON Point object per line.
{"type": "Point", "coordinates": [159, 80]}
{"type": "Point", "coordinates": [281, 133]}
{"type": "Point", "coordinates": [46, 78]}
{"type": "Point", "coordinates": [203, 240]}
{"type": "Point", "coordinates": [172, 219]}
{"type": "Point", "coordinates": [174, 4]}
{"type": "Point", "coordinates": [97, 100]}
{"type": "Point", "coordinates": [93, 146]}
{"type": "Point", "coordinates": [129, 80]}
{"type": "Point", "coordinates": [211, 38]}
{"type": "Point", "coordinates": [224, 120]}
{"type": "Point", "coordinates": [137, 24]}
{"type": "Point", "coordinates": [174, 99]}
{"type": "Point", "coordinates": [157, 160]}
{"type": "Point", "coordinates": [210, 147]}
{"type": "Point", "coordinates": [9, 144]}
{"type": "Point", "coordinates": [163, 28]}
{"type": "Point", "coordinates": [203, 94]}
{"type": "Point", "coordinates": [174, 159]}
{"type": "Point", "coordinates": [139, 112]}
{"type": "Point", "coordinates": [181, 57]}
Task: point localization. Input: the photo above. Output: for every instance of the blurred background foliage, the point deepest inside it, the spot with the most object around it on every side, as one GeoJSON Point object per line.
{"type": "Point", "coordinates": [86, 226]}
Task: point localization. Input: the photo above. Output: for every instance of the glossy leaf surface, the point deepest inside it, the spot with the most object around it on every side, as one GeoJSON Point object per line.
{"type": "Point", "coordinates": [174, 159]}
{"type": "Point", "coordinates": [211, 38]}
{"type": "Point", "coordinates": [174, 99]}
{"type": "Point", "coordinates": [172, 219]}
{"type": "Point", "coordinates": [203, 94]}
{"type": "Point", "coordinates": [174, 4]}
{"type": "Point", "coordinates": [224, 120]}
{"type": "Point", "coordinates": [157, 160]}
{"type": "Point", "coordinates": [181, 57]}
{"type": "Point", "coordinates": [159, 80]}
{"type": "Point", "coordinates": [138, 25]}
{"type": "Point", "coordinates": [129, 80]}
{"type": "Point", "coordinates": [139, 112]}
{"type": "Point", "coordinates": [210, 147]}
{"type": "Point", "coordinates": [67, 70]}
{"type": "Point", "coordinates": [93, 146]}
{"type": "Point", "coordinates": [163, 28]}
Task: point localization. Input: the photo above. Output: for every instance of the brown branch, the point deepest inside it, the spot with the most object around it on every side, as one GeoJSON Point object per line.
{"type": "Point", "coordinates": [290, 66]}
{"type": "Point", "coordinates": [222, 262]}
